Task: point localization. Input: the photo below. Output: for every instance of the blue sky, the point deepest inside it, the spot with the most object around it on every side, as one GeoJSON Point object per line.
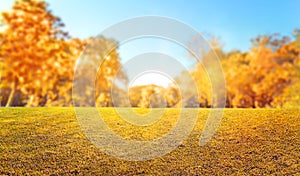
{"type": "Point", "coordinates": [234, 21]}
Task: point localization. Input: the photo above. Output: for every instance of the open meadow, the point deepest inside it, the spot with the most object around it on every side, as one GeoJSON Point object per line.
{"type": "Point", "coordinates": [49, 141]}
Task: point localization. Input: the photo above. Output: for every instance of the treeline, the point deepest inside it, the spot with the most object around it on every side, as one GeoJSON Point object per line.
{"type": "Point", "coordinates": [268, 75]}
{"type": "Point", "coordinates": [37, 61]}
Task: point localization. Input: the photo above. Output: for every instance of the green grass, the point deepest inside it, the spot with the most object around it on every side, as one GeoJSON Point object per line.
{"type": "Point", "coordinates": [45, 141]}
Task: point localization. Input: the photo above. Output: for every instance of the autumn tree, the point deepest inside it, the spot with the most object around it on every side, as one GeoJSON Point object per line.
{"type": "Point", "coordinates": [271, 68]}
{"type": "Point", "coordinates": [38, 56]}
{"type": "Point", "coordinates": [207, 73]}
{"type": "Point", "coordinates": [146, 96]}
{"type": "Point", "coordinates": [290, 97]}
{"type": "Point", "coordinates": [172, 96]}
{"type": "Point", "coordinates": [203, 86]}
{"type": "Point", "coordinates": [238, 89]}
{"type": "Point", "coordinates": [97, 71]}
{"type": "Point", "coordinates": [187, 88]}
{"type": "Point", "coordinates": [257, 77]}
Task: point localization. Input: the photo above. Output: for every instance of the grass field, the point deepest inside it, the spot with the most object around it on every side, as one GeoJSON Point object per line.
{"type": "Point", "coordinates": [45, 141]}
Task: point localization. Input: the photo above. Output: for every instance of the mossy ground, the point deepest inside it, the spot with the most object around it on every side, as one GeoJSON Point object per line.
{"type": "Point", "coordinates": [45, 141]}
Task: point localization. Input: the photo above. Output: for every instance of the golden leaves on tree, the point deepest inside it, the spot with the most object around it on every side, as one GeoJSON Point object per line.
{"type": "Point", "coordinates": [38, 57]}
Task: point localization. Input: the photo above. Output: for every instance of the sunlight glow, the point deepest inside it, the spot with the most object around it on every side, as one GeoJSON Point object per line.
{"type": "Point", "coordinates": [149, 78]}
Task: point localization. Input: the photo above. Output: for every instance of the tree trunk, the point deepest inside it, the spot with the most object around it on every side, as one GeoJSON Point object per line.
{"type": "Point", "coordinates": [11, 96]}
{"type": "Point", "coordinates": [253, 102]}
{"type": "Point", "coordinates": [30, 101]}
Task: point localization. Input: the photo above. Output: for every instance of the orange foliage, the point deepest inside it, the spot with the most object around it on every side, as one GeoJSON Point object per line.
{"type": "Point", "coordinates": [100, 61]}
{"type": "Point", "coordinates": [38, 57]}
{"type": "Point", "coordinates": [256, 78]}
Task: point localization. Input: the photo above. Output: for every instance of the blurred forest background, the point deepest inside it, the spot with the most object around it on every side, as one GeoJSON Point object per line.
{"type": "Point", "coordinates": [37, 61]}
